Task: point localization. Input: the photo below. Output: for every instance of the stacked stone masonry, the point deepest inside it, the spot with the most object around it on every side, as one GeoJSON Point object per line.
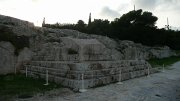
{"type": "Point", "coordinates": [67, 61]}
{"type": "Point", "coordinates": [95, 73]}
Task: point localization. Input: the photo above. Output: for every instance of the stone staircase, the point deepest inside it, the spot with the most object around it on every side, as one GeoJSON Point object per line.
{"type": "Point", "coordinates": [96, 73]}
{"type": "Point", "coordinates": [68, 61]}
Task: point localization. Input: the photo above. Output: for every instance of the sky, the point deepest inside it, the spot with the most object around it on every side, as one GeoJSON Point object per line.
{"type": "Point", "coordinates": [70, 11]}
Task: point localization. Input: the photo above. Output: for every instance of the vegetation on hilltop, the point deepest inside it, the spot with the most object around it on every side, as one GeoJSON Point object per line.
{"type": "Point", "coordinates": [136, 25]}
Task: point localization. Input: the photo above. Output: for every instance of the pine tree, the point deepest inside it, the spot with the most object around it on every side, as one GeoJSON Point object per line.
{"type": "Point", "coordinates": [43, 24]}
{"type": "Point", "coordinates": [89, 22]}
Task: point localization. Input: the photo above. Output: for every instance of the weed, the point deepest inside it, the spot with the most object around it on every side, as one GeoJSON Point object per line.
{"type": "Point", "coordinates": [165, 61]}
{"type": "Point", "coordinates": [23, 87]}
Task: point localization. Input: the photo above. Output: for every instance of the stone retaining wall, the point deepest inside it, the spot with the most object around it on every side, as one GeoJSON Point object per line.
{"type": "Point", "coordinates": [96, 73]}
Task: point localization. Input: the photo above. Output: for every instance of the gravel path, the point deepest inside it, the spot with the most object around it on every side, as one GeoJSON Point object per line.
{"type": "Point", "coordinates": [163, 86]}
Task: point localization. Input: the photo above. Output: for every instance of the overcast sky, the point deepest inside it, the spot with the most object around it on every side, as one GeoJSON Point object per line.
{"type": "Point", "coordinates": [70, 11]}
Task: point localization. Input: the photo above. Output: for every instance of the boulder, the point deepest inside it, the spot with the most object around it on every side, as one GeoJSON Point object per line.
{"type": "Point", "coordinates": [7, 62]}
{"type": "Point", "coordinates": [24, 57]}
{"type": "Point", "coordinates": [132, 50]}
{"type": "Point", "coordinates": [19, 27]}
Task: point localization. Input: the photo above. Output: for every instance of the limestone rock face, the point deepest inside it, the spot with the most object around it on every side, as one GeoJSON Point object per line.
{"type": "Point", "coordinates": [14, 21]}
{"type": "Point", "coordinates": [67, 54]}
{"type": "Point", "coordinates": [122, 50]}
{"type": "Point", "coordinates": [7, 58]}
{"type": "Point", "coordinates": [51, 36]}
{"type": "Point", "coordinates": [71, 49]}
{"type": "Point", "coordinates": [162, 52]}
{"type": "Point", "coordinates": [14, 28]}
{"type": "Point", "coordinates": [19, 27]}
{"type": "Point", "coordinates": [24, 57]}
{"type": "Point", "coordinates": [9, 61]}
{"type": "Point", "coordinates": [132, 50]}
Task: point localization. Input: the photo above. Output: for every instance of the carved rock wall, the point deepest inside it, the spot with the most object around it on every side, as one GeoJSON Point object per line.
{"type": "Point", "coordinates": [7, 62]}
{"type": "Point", "coordinates": [95, 73]}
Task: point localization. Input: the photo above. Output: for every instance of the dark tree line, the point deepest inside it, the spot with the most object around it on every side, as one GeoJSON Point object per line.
{"type": "Point", "coordinates": [136, 25]}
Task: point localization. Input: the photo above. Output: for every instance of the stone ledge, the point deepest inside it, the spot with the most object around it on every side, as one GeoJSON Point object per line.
{"type": "Point", "coordinates": [107, 73]}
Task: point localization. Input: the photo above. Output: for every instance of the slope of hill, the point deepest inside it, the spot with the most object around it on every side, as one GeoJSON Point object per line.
{"type": "Point", "coordinates": [20, 41]}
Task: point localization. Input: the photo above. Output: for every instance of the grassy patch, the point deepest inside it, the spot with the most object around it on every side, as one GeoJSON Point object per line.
{"type": "Point", "coordinates": [166, 61]}
{"type": "Point", "coordinates": [177, 51]}
{"type": "Point", "coordinates": [22, 87]}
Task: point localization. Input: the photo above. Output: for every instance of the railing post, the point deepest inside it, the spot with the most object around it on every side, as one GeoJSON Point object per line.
{"type": "Point", "coordinates": [82, 84]}
{"type": "Point", "coordinates": [26, 71]}
{"type": "Point", "coordinates": [163, 68]}
{"type": "Point", "coordinates": [120, 77]}
{"type": "Point", "coordinates": [47, 83]}
{"type": "Point", "coordinates": [148, 72]}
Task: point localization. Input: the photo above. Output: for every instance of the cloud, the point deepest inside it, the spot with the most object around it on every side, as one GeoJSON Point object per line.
{"type": "Point", "coordinates": [145, 4]}
{"type": "Point", "coordinates": [162, 9]}
{"type": "Point", "coordinates": [123, 7]}
{"type": "Point", "coordinates": [107, 12]}
{"type": "Point", "coordinates": [175, 28]}
{"type": "Point", "coordinates": [163, 5]}
{"type": "Point", "coordinates": [70, 11]}
{"type": "Point", "coordinates": [34, 0]}
{"type": "Point", "coordinates": [169, 5]}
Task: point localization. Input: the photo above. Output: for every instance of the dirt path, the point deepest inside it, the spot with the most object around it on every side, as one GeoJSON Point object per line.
{"type": "Point", "coordinates": [163, 86]}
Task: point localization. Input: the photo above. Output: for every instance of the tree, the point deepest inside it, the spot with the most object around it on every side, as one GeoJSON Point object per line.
{"type": "Point", "coordinates": [80, 26]}
{"type": "Point", "coordinates": [89, 21]}
{"type": "Point", "coordinates": [44, 23]}
{"type": "Point", "coordinates": [146, 19]}
{"type": "Point", "coordinates": [137, 18]}
{"type": "Point", "coordinates": [99, 26]}
{"type": "Point", "coordinates": [136, 25]}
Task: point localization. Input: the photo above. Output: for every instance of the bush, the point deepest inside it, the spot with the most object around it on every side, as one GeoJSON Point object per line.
{"type": "Point", "coordinates": [166, 61]}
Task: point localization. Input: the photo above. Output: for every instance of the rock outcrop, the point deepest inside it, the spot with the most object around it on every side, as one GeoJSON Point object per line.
{"type": "Point", "coordinates": [7, 62]}
{"type": "Point", "coordinates": [132, 50]}
{"type": "Point", "coordinates": [19, 27]}
{"type": "Point", "coordinates": [67, 60]}
{"type": "Point", "coordinates": [24, 57]}
{"type": "Point", "coordinates": [122, 49]}
{"type": "Point", "coordinates": [10, 63]}
{"type": "Point", "coordinates": [66, 55]}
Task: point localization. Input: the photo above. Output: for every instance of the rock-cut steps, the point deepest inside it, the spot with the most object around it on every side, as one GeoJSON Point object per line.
{"type": "Point", "coordinates": [96, 73]}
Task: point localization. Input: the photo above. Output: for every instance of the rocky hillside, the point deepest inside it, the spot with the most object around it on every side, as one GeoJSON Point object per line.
{"type": "Point", "coordinates": [122, 49]}
{"type": "Point", "coordinates": [20, 41]}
